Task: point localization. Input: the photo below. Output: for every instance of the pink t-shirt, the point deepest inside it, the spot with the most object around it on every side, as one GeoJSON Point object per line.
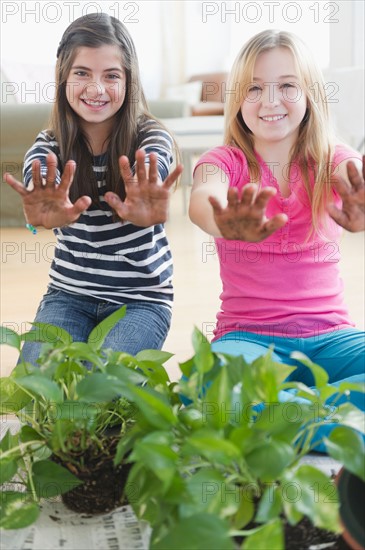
{"type": "Point", "coordinates": [286, 285]}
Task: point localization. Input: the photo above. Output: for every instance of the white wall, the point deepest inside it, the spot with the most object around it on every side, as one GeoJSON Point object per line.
{"type": "Point", "coordinates": [176, 39]}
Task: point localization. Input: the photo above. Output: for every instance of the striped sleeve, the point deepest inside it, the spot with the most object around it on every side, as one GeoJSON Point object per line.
{"type": "Point", "coordinates": [45, 143]}
{"type": "Point", "coordinates": [155, 139]}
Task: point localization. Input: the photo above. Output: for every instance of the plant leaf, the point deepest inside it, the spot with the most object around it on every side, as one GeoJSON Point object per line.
{"type": "Point", "coordinates": [155, 355]}
{"type": "Point", "coordinates": [29, 434]}
{"type": "Point", "coordinates": [211, 493]}
{"type": "Point", "coordinates": [262, 381]}
{"type": "Point", "coordinates": [155, 452]}
{"type": "Point", "coordinates": [81, 351]}
{"type": "Point", "coordinates": [315, 496]}
{"type": "Point", "coordinates": [51, 479]}
{"type": "Point", "coordinates": [320, 374]}
{"type": "Point", "coordinates": [283, 421]}
{"type": "Point", "coordinates": [17, 510]}
{"type": "Point", "coordinates": [204, 358]}
{"type": "Point", "coordinates": [154, 372]}
{"type": "Point", "coordinates": [143, 486]}
{"type": "Point", "coordinates": [9, 441]}
{"type": "Point", "coordinates": [39, 385]}
{"type": "Point", "coordinates": [99, 333]}
{"type": "Point", "coordinates": [155, 408]}
{"type": "Point", "coordinates": [9, 338]}
{"type": "Point", "coordinates": [198, 339]}
{"type": "Point", "coordinates": [8, 464]}
{"type": "Point", "coordinates": [8, 468]}
{"type": "Point", "coordinates": [213, 446]}
{"type": "Point", "coordinates": [270, 535]}
{"type": "Point", "coordinates": [347, 446]}
{"type": "Point", "coordinates": [349, 415]}
{"type": "Point", "coordinates": [12, 398]}
{"type": "Point", "coordinates": [75, 411]}
{"type": "Point", "coordinates": [219, 399]}
{"type": "Point", "coordinates": [189, 534]}
{"type": "Point", "coordinates": [245, 511]}
{"type": "Point", "coordinates": [125, 374]}
{"type": "Point", "coordinates": [270, 505]}
{"type": "Point", "coordinates": [97, 387]}
{"type": "Point", "coordinates": [187, 367]}
{"type": "Point", "coordinates": [281, 454]}
{"type": "Point", "coordinates": [351, 386]}
{"type": "Point", "coordinates": [45, 332]}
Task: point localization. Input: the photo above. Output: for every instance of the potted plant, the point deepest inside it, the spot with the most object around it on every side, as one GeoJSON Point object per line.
{"type": "Point", "coordinates": [351, 492]}
{"type": "Point", "coordinates": [72, 415]}
{"type": "Point", "coordinates": [224, 468]}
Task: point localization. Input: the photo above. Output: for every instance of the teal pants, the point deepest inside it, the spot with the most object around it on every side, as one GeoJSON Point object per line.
{"type": "Point", "coordinates": [341, 353]}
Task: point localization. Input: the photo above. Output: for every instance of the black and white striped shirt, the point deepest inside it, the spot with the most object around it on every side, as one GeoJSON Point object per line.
{"type": "Point", "coordinates": [109, 260]}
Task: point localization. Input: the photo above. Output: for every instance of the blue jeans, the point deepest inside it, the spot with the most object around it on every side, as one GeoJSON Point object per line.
{"type": "Point", "coordinates": [341, 353]}
{"type": "Point", "coordinates": [145, 325]}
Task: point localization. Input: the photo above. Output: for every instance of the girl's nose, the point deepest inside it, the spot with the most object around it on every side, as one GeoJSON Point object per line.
{"type": "Point", "coordinates": [271, 95]}
{"type": "Point", "coordinates": [94, 89]}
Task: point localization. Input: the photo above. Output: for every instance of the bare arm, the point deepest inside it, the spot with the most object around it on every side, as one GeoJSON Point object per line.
{"type": "Point", "coordinates": [215, 184]}
{"type": "Point", "coordinates": [222, 212]}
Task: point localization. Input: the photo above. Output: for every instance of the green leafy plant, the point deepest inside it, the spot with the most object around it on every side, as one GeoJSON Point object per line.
{"type": "Point", "coordinates": [226, 466]}
{"type": "Point", "coordinates": [72, 413]}
{"type": "Point", "coordinates": [212, 459]}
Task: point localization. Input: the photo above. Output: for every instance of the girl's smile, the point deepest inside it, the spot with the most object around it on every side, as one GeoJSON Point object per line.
{"type": "Point", "coordinates": [273, 118]}
{"type": "Point", "coordinates": [96, 105]}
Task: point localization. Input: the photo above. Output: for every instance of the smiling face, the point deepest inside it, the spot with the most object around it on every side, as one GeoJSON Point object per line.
{"type": "Point", "coordinates": [95, 87]}
{"type": "Point", "coordinates": [275, 103]}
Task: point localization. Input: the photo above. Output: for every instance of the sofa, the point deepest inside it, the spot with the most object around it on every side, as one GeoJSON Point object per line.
{"type": "Point", "coordinates": [212, 95]}
{"type": "Point", "coordinates": [20, 124]}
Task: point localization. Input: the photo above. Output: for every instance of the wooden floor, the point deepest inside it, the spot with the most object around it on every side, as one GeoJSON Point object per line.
{"type": "Point", "coordinates": [26, 258]}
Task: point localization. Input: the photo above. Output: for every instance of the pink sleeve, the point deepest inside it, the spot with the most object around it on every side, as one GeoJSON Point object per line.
{"type": "Point", "coordinates": [342, 152]}
{"type": "Point", "coordinates": [230, 160]}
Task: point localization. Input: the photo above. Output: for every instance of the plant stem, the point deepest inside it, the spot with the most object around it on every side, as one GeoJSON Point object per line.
{"type": "Point", "coordinates": [21, 447]}
{"type": "Point", "coordinates": [28, 465]}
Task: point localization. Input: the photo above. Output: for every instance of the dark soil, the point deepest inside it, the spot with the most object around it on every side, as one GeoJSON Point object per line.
{"type": "Point", "coordinates": [305, 535]}
{"type": "Point", "coordinates": [103, 484]}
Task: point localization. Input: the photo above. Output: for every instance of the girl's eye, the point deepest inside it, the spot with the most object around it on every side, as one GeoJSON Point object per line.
{"type": "Point", "coordinates": [287, 85]}
{"type": "Point", "coordinates": [254, 88]}
{"type": "Point", "coordinates": [80, 73]}
{"type": "Point", "coordinates": [113, 76]}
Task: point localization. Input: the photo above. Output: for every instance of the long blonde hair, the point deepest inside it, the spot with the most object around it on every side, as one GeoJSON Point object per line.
{"type": "Point", "coordinates": [313, 148]}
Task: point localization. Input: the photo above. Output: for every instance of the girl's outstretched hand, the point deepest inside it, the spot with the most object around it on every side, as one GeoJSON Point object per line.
{"type": "Point", "coordinates": [352, 214]}
{"type": "Point", "coordinates": [48, 203]}
{"type": "Point", "coordinates": [147, 199]}
{"type": "Point", "coordinates": [244, 218]}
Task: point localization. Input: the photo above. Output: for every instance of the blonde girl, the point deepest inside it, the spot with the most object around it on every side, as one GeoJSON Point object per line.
{"type": "Point", "coordinates": [274, 197]}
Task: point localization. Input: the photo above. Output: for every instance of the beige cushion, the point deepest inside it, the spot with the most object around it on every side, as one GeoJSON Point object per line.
{"type": "Point", "coordinates": [20, 124]}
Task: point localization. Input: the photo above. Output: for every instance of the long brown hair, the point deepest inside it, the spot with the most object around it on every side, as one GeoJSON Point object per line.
{"type": "Point", "coordinates": [313, 148]}
{"type": "Point", "coordinates": [92, 31]}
